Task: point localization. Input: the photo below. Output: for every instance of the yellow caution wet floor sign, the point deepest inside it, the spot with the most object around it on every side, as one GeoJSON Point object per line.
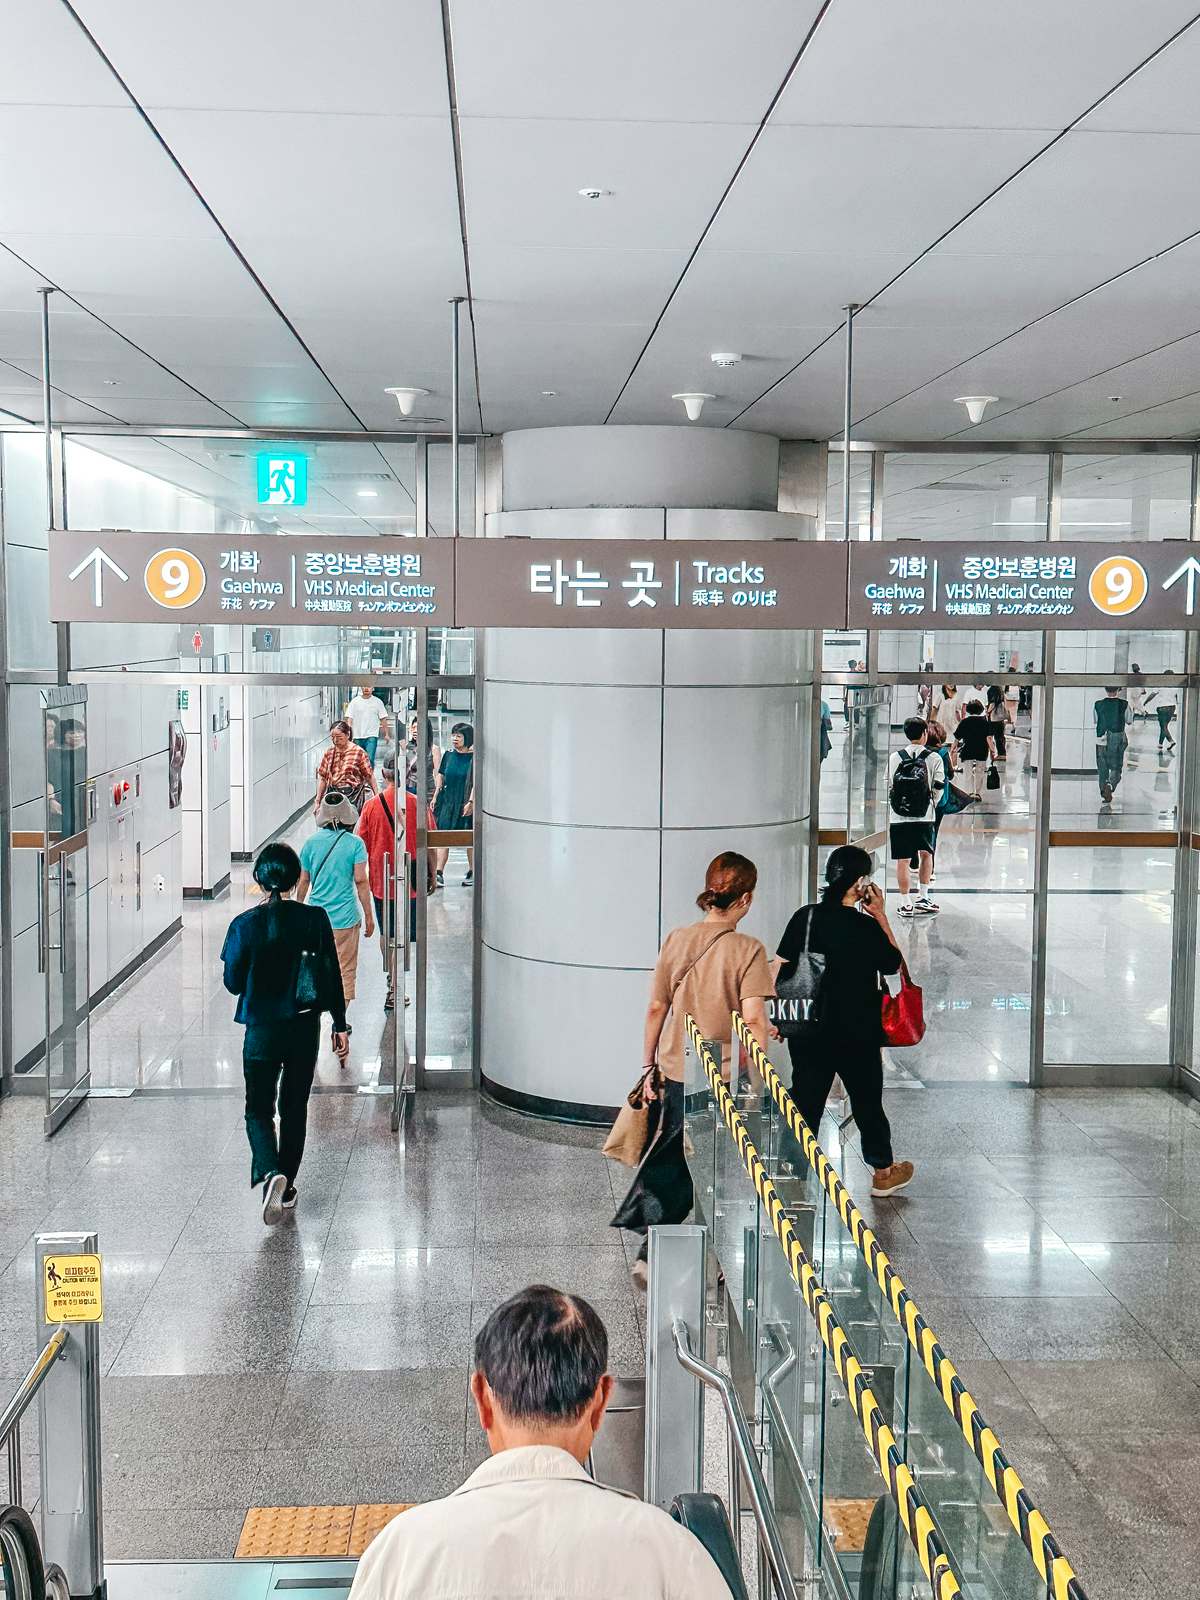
{"type": "Point", "coordinates": [72, 1289]}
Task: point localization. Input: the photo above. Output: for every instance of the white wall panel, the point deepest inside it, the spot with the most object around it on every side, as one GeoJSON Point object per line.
{"type": "Point", "coordinates": [574, 655]}
{"type": "Point", "coordinates": [777, 852]}
{"type": "Point", "coordinates": [594, 1015]}
{"type": "Point", "coordinates": [571, 754]}
{"type": "Point", "coordinates": [581, 896]}
{"type": "Point", "coordinates": [734, 756]}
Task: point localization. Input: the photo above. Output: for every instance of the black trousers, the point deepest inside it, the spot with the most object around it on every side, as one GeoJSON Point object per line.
{"type": "Point", "coordinates": [996, 729]}
{"type": "Point", "coordinates": [815, 1064]}
{"type": "Point", "coordinates": [279, 1068]}
{"type": "Point", "coordinates": [662, 1190]}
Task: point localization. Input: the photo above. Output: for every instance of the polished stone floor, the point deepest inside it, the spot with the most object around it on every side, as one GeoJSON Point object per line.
{"type": "Point", "coordinates": [1052, 1238]}
{"type": "Point", "coordinates": [324, 1361]}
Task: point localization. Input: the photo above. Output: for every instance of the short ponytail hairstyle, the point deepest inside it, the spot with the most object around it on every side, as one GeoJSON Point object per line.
{"type": "Point", "coordinates": [729, 877]}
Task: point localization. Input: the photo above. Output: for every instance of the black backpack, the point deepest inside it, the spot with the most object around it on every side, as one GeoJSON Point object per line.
{"type": "Point", "coordinates": [910, 793]}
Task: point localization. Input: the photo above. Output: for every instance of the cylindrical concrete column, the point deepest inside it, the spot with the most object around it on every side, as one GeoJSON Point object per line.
{"type": "Point", "coordinates": [615, 764]}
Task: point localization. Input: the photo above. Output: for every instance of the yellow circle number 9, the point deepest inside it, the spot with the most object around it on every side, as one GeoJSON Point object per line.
{"type": "Point", "coordinates": [1118, 586]}
{"type": "Point", "coordinates": [175, 578]}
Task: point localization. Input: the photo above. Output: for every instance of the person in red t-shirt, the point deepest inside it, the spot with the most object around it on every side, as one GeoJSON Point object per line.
{"type": "Point", "coordinates": [376, 828]}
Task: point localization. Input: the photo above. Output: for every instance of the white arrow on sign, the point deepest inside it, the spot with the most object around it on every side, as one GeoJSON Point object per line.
{"type": "Point", "coordinates": [1190, 569]}
{"type": "Point", "coordinates": [98, 560]}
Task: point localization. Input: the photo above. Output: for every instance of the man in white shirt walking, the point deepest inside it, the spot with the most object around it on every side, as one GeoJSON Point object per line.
{"type": "Point", "coordinates": [914, 777]}
{"type": "Point", "coordinates": [531, 1523]}
{"type": "Point", "coordinates": [365, 713]}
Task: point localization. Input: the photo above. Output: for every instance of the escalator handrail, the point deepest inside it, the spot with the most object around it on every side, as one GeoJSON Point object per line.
{"type": "Point", "coordinates": [706, 1517]}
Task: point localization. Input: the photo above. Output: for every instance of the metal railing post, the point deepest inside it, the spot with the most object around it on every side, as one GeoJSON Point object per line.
{"type": "Point", "coordinates": [674, 1398]}
{"type": "Point", "coordinates": [69, 1433]}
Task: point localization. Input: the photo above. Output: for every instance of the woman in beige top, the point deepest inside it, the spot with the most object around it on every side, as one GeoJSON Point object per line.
{"type": "Point", "coordinates": [706, 970]}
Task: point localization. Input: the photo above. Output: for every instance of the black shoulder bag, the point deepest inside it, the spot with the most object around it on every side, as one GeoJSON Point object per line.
{"type": "Point", "coordinates": [796, 1007]}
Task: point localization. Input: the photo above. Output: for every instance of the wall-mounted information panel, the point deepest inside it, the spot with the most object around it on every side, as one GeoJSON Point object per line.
{"type": "Point", "coordinates": [1023, 586]}
{"type": "Point", "coordinates": [205, 578]}
{"type": "Point", "coordinates": [601, 583]}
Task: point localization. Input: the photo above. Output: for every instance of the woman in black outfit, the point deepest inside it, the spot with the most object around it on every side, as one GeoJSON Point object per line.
{"type": "Point", "coordinates": [281, 962]}
{"type": "Point", "coordinates": [850, 928]}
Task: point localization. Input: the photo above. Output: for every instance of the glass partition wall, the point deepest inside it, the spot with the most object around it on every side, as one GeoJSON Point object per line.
{"type": "Point", "coordinates": [1064, 947]}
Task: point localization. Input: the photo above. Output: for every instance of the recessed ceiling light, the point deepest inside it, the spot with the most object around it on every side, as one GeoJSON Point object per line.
{"type": "Point", "coordinates": [593, 193]}
{"type": "Point", "coordinates": [368, 494]}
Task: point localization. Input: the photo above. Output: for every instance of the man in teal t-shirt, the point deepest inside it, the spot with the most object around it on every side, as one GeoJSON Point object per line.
{"type": "Point", "coordinates": [333, 875]}
{"type": "Point", "coordinates": [1111, 714]}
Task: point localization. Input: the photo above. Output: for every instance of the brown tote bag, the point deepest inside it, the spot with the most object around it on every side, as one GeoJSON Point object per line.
{"type": "Point", "coordinates": [630, 1132]}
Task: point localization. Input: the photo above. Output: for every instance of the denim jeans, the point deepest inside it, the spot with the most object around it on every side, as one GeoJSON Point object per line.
{"type": "Point", "coordinates": [370, 746]}
{"type": "Point", "coordinates": [1110, 758]}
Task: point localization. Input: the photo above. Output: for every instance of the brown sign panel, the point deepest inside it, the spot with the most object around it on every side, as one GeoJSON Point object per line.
{"type": "Point", "coordinates": [624, 583]}
{"type": "Point", "coordinates": [196, 579]}
{"type": "Point", "coordinates": [1024, 587]}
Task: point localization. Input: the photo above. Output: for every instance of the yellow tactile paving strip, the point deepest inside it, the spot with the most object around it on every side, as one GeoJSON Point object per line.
{"type": "Point", "coordinates": [311, 1530]}
{"type": "Point", "coordinates": [848, 1520]}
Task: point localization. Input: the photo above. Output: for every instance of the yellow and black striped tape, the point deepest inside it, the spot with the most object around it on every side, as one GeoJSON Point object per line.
{"type": "Point", "coordinates": [914, 1512]}
{"type": "Point", "coordinates": [1030, 1524]}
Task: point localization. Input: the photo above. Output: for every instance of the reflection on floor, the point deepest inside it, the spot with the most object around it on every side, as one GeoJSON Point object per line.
{"type": "Point", "coordinates": [1109, 923]}
{"type": "Point", "coordinates": [171, 1026]}
{"type": "Point", "coordinates": [321, 1362]}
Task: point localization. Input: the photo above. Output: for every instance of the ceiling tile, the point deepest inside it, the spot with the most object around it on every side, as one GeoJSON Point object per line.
{"type": "Point", "coordinates": [676, 60]}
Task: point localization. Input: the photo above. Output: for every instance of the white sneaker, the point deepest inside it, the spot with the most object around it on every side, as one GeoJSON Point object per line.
{"type": "Point", "coordinates": [925, 907]}
{"type": "Point", "coordinates": [905, 909]}
{"type": "Point", "coordinates": [273, 1192]}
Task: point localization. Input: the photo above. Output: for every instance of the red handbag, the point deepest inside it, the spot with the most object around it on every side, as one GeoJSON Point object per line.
{"type": "Point", "coordinates": [903, 1014]}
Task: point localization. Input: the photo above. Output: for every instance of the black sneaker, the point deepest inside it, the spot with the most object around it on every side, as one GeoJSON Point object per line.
{"type": "Point", "coordinates": [468, 880]}
{"type": "Point", "coordinates": [441, 881]}
{"type": "Point", "coordinates": [290, 1196]}
{"type": "Point", "coordinates": [273, 1191]}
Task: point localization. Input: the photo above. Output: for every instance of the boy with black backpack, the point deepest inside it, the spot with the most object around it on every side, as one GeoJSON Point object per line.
{"type": "Point", "coordinates": [914, 779]}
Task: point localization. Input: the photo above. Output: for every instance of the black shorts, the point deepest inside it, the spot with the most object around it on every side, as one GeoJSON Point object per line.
{"type": "Point", "coordinates": [908, 838]}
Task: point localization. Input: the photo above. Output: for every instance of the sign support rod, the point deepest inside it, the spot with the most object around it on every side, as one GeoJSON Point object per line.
{"type": "Point", "coordinates": [47, 409]}
{"type": "Point", "coordinates": [846, 397]}
{"type": "Point", "coordinates": [455, 302]}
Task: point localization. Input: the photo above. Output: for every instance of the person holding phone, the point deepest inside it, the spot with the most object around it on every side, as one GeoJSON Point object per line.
{"type": "Point", "coordinates": [849, 927]}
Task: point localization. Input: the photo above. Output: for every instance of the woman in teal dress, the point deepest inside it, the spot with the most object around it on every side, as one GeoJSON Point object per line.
{"type": "Point", "coordinates": [455, 806]}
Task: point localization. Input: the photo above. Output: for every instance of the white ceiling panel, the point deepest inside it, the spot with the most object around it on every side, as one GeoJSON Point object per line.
{"type": "Point", "coordinates": [1161, 98]}
{"type": "Point", "coordinates": [1139, 189]}
{"type": "Point", "coordinates": [46, 60]}
{"type": "Point", "coordinates": [725, 289]}
{"type": "Point", "coordinates": [676, 60]}
{"type": "Point", "coordinates": [112, 275]}
{"type": "Point", "coordinates": [556, 285]}
{"type": "Point", "coordinates": [1000, 291]}
{"type": "Point", "coordinates": [942, 63]}
{"type": "Point", "coordinates": [813, 189]}
{"type": "Point", "coordinates": [90, 170]}
{"type": "Point", "coordinates": [522, 181]}
{"type": "Point", "coordinates": [302, 179]}
{"type": "Point", "coordinates": [276, 55]}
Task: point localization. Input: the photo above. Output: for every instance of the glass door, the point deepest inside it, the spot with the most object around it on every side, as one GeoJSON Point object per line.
{"type": "Point", "coordinates": [63, 902]}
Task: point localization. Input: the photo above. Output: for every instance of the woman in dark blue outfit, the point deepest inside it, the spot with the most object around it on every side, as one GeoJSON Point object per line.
{"type": "Point", "coordinates": [281, 962]}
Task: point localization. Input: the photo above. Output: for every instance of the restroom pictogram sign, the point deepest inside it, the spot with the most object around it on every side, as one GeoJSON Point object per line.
{"type": "Point", "coordinates": [72, 1289]}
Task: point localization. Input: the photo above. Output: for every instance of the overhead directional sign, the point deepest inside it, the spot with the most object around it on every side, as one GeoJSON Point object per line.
{"type": "Point", "coordinates": [208, 578]}
{"type": "Point", "coordinates": [619, 583]}
{"type": "Point", "coordinates": [263, 582]}
{"type": "Point", "coordinates": [1023, 587]}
